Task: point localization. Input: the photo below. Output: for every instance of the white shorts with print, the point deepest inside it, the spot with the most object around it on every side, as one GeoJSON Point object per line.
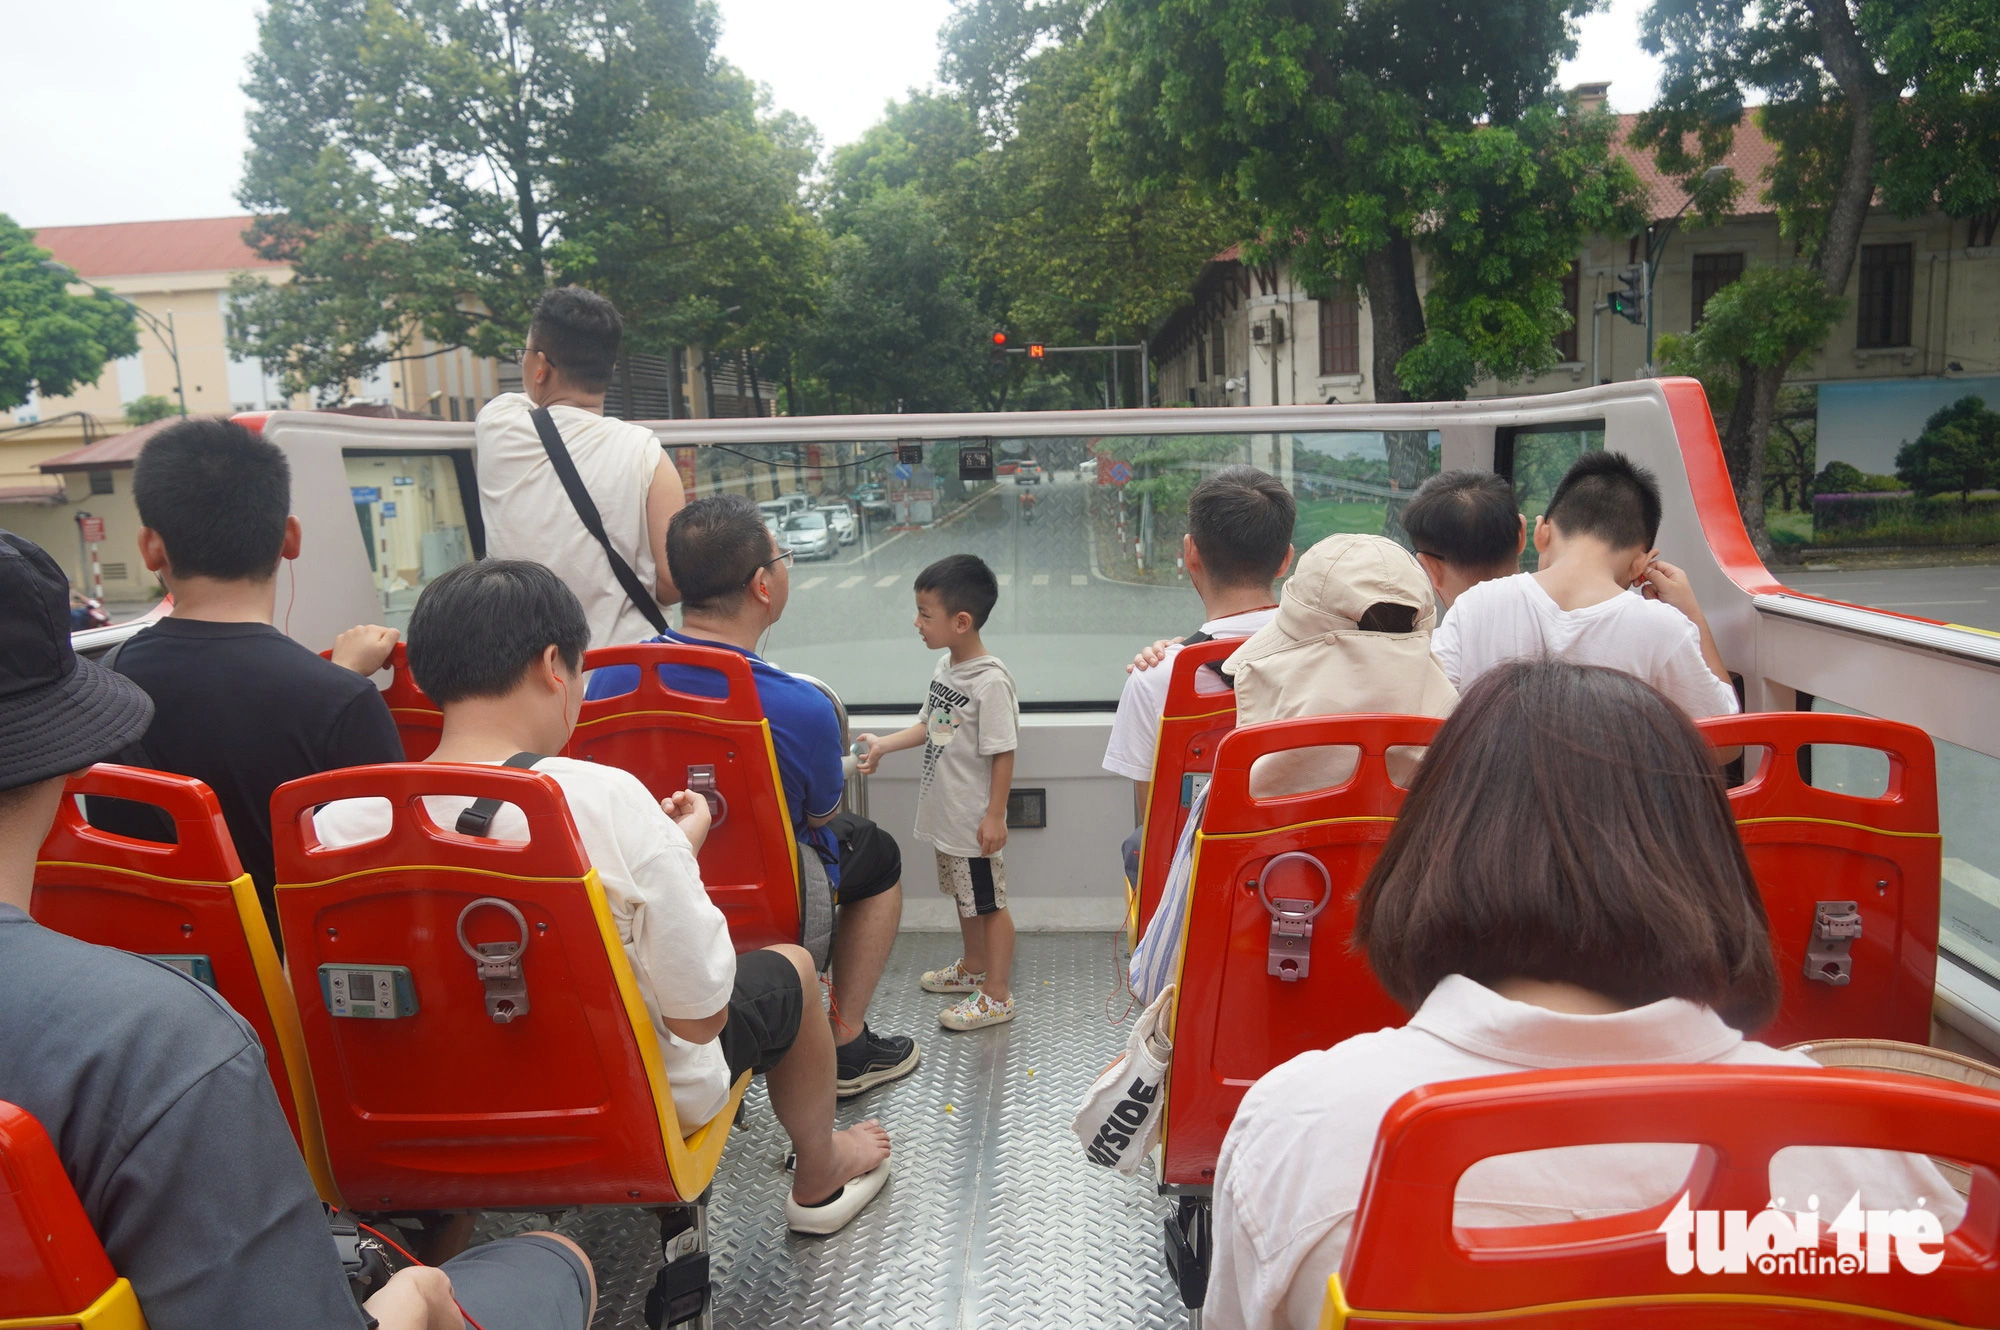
{"type": "Point", "coordinates": [978, 885]}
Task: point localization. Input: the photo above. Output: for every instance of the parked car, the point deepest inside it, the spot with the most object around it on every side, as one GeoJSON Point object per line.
{"type": "Point", "coordinates": [795, 501]}
{"type": "Point", "coordinates": [1087, 469]}
{"type": "Point", "coordinates": [1006, 466]}
{"type": "Point", "coordinates": [872, 498]}
{"type": "Point", "coordinates": [841, 518]}
{"type": "Point", "coordinates": [808, 536]}
{"type": "Point", "coordinates": [774, 511]}
{"type": "Point", "coordinates": [1029, 473]}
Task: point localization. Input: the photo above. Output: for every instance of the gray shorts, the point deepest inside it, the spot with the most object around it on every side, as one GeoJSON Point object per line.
{"type": "Point", "coordinates": [526, 1283]}
{"type": "Point", "coordinates": [978, 885]}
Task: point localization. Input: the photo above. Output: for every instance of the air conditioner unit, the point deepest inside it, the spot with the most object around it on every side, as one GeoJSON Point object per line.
{"type": "Point", "coordinates": [1268, 333]}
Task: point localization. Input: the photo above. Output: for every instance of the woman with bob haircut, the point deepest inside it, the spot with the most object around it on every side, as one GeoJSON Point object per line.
{"type": "Point", "coordinates": [1565, 887]}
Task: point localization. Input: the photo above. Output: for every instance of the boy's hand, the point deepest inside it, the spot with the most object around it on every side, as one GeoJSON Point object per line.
{"type": "Point", "coordinates": [1152, 655]}
{"type": "Point", "coordinates": [690, 813]}
{"type": "Point", "coordinates": [992, 834]}
{"type": "Point", "coordinates": [868, 761]}
{"type": "Point", "coordinates": [1667, 583]}
{"type": "Point", "coordinates": [364, 648]}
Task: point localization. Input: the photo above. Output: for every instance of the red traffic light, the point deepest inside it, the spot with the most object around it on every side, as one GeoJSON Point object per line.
{"type": "Point", "coordinates": [999, 339]}
{"type": "Point", "coordinates": [1035, 350]}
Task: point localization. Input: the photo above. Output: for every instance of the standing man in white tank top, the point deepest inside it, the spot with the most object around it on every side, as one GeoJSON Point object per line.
{"type": "Point", "coordinates": [572, 346]}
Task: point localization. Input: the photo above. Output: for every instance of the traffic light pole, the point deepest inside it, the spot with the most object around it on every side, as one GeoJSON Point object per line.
{"type": "Point", "coordinates": [1036, 351]}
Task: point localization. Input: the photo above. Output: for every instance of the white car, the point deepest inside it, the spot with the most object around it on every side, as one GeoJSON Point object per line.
{"type": "Point", "coordinates": [808, 536]}
{"type": "Point", "coordinates": [841, 518]}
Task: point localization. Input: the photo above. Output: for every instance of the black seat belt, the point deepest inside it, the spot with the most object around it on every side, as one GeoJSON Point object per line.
{"type": "Point", "coordinates": [1198, 636]}
{"type": "Point", "coordinates": [586, 508]}
{"type": "Point", "coordinates": [477, 819]}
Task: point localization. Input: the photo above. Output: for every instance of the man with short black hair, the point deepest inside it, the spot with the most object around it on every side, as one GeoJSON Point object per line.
{"type": "Point", "coordinates": [1238, 544]}
{"type": "Point", "coordinates": [625, 478]}
{"type": "Point", "coordinates": [155, 1094]}
{"type": "Point", "coordinates": [240, 706]}
{"type": "Point", "coordinates": [1466, 529]}
{"type": "Point", "coordinates": [499, 646]}
{"type": "Point", "coordinates": [734, 583]}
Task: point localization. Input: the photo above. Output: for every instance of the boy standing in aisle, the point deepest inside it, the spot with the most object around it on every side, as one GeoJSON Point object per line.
{"type": "Point", "coordinates": [968, 729]}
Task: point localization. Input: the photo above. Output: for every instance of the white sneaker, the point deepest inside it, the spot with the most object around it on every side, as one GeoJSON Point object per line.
{"type": "Point", "coordinates": [975, 1011]}
{"type": "Point", "coordinates": [953, 978]}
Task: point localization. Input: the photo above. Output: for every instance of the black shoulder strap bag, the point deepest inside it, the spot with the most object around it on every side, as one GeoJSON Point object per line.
{"type": "Point", "coordinates": [579, 498]}
{"type": "Point", "coordinates": [477, 819]}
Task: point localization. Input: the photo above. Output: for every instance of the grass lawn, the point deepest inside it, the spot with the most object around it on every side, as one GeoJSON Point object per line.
{"type": "Point", "coordinates": [1323, 517]}
{"type": "Point", "coordinates": [1789, 528]}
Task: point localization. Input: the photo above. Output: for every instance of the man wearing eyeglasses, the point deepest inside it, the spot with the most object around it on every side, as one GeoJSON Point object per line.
{"type": "Point", "coordinates": [734, 583]}
{"type": "Point", "coordinates": [621, 468]}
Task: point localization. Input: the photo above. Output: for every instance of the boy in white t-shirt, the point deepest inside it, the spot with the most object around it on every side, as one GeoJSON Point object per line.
{"type": "Point", "coordinates": [499, 645]}
{"type": "Point", "coordinates": [1596, 546]}
{"type": "Point", "coordinates": [968, 728]}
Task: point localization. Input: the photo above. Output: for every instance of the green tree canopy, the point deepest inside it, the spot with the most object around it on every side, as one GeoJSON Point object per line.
{"type": "Point", "coordinates": [433, 165]}
{"type": "Point", "coordinates": [1959, 450]}
{"type": "Point", "coordinates": [1354, 137]}
{"type": "Point", "coordinates": [51, 341]}
{"type": "Point", "coordinates": [146, 409]}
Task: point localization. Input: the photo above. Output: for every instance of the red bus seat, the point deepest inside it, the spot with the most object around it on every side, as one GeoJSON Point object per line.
{"type": "Point", "coordinates": [418, 719]}
{"type": "Point", "coordinates": [53, 1270]}
{"type": "Point", "coordinates": [445, 1107]}
{"type": "Point", "coordinates": [1233, 1019]}
{"type": "Point", "coordinates": [189, 904]}
{"type": "Point", "coordinates": [1407, 1262]}
{"type": "Point", "coordinates": [1192, 723]}
{"type": "Point", "coordinates": [1812, 850]}
{"type": "Point", "coordinates": [749, 862]}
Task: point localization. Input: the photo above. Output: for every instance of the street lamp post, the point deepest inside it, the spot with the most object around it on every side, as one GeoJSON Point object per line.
{"type": "Point", "coordinates": [1656, 249]}
{"type": "Point", "coordinates": [163, 331]}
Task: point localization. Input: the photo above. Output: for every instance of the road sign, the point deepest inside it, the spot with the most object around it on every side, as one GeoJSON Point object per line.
{"type": "Point", "coordinates": [365, 493]}
{"type": "Point", "coordinates": [901, 471]}
{"type": "Point", "coordinates": [92, 528]}
{"type": "Point", "coordinates": [389, 508]}
{"type": "Point", "coordinates": [1117, 473]}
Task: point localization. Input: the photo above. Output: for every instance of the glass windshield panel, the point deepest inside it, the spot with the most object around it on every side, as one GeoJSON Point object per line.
{"type": "Point", "coordinates": [1083, 533]}
{"type": "Point", "coordinates": [411, 513]}
{"type": "Point", "coordinates": [1539, 457]}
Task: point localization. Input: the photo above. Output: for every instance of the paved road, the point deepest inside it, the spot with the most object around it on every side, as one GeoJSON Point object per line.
{"type": "Point", "coordinates": [1063, 627]}
{"type": "Point", "coordinates": [1967, 595]}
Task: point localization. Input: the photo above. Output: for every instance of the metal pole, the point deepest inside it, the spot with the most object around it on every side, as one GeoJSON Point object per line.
{"type": "Point", "coordinates": [1145, 376]}
{"type": "Point", "coordinates": [1646, 276]}
{"type": "Point", "coordinates": [174, 350]}
{"type": "Point", "coordinates": [1596, 322]}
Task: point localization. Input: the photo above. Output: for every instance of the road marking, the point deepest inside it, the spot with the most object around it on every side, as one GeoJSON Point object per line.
{"type": "Point", "coordinates": [1041, 579]}
{"type": "Point", "coordinates": [810, 584]}
{"type": "Point", "coordinates": [1914, 604]}
{"type": "Point", "coordinates": [890, 580]}
{"type": "Point", "coordinates": [855, 580]}
{"type": "Point", "coordinates": [1004, 579]}
{"type": "Point", "coordinates": [1078, 579]}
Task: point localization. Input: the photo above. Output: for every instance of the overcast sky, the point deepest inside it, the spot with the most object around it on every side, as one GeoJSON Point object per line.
{"type": "Point", "coordinates": [129, 110]}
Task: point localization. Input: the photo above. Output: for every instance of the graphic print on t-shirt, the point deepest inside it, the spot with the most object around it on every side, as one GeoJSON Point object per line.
{"type": "Point", "coordinates": [944, 712]}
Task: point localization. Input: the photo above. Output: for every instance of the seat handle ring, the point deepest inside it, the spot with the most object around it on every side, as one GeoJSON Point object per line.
{"type": "Point", "coordinates": [485, 958]}
{"type": "Point", "coordinates": [1264, 895]}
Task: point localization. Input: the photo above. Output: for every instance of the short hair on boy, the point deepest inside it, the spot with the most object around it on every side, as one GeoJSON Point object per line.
{"type": "Point", "coordinates": [1569, 825]}
{"type": "Point", "coordinates": [477, 628]}
{"type": "Point", "coordinates": [1608, 496]}
{"type": "Point", "coordinates": [714, 546]}
{"type": "Point", "coordinates": [579, 331]}
{"type": "Point", "coordinates": [217, 495]}
{"type": "Point", "coordinates": [1467, 518]}
{"type": "Point", "coordinates": [962, 582]}
{"type": "Point", "coordinates": [1241, 520]}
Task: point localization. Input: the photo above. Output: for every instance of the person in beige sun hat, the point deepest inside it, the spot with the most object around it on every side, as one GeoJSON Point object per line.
{"type": "Point", "coordinates": [1352, 636]}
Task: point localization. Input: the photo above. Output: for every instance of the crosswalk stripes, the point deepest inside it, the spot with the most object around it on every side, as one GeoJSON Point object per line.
{"type": "Point", "coordinates": [890, 580]}
{"type": "Point", "coordinates": [856, 580]}
{"type": "Point", "coordinates": [1004, 579]}
{"type": "Point", "coordinates": [826, 582]}
{"type": "Point", "coordinates": [1041, 579]}
{"type": "Point", "coordinates": [1075, 579]}
{"type": "Point", "coordinates": [809, 585]}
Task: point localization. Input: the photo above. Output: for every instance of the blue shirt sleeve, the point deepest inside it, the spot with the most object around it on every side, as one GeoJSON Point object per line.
{"type": "Point", "coordinates": [611, 681]}
{"type": "Point", "coordinates": [823, 749]}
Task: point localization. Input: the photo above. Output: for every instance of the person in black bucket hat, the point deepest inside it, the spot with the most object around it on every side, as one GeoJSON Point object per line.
{"type": "Point", "coordinates": [58, 712]}
{"type": "Point", "coordinates": [154, 1092]}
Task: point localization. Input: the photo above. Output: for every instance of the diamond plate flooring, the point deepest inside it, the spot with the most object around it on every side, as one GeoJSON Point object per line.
{"type": "Point", "coordinates": [991, 1217]}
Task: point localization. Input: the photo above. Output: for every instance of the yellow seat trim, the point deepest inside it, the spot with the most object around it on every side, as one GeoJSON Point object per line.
{"type": "Point", "coordinates": [117, 1309]}
{"type": "Point", "coordinates": [419, 868]}
{"type": "Point", "coordinates": [1836, 822]}
{"type": "Point", "coordinates": [691, 1160]}
{"type": "Point", "coordinates": [1336, 1311]}
{"type": "Point", "coordinates": [1295, 826]}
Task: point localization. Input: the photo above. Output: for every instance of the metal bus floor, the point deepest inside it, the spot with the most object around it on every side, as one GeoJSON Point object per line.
{"type": "Point", "coordinates": [991, 1216]}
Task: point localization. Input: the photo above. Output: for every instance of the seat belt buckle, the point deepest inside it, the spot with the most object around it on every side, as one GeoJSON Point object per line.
{"type": "Point", "coordinates": [1288, 955]}
{"type": "Point", "coordinates": [1829, 952]}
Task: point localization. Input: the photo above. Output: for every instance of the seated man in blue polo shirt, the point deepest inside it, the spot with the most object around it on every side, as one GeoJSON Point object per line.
{"type": "Point", "coordinates": [734, 582]}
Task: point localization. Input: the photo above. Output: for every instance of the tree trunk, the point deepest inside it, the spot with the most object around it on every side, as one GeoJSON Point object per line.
{"type": "Point", "coordinates": [1409, 464]}
{"type": "Point", "coordinates": [1395, 312]}
{"type": "Point", "coordinates": [1743, 442]}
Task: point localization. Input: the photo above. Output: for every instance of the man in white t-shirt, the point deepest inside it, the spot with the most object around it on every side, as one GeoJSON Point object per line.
{"type": "Point", "coordinates": [1596, 545]}
{"type": "Point", "coordinates": [499, 644]}
{"type": "Point", "coordinates": [572, 347]}
{"type": "Point", "coordinates": [1238, 543]}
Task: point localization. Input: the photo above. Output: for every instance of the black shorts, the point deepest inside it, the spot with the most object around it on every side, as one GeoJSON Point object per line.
{"type": "Point", "coordinates": [870, 860]}
{"type": "Point", "coordinates": [765, 1008]}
